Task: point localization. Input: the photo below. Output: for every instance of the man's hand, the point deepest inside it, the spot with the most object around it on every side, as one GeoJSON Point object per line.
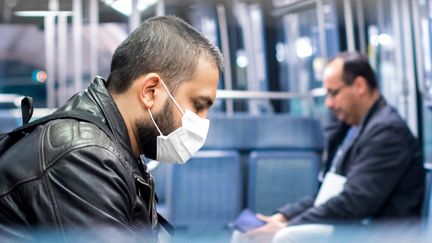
{"type": "Point", "coordinates": [266, 232]}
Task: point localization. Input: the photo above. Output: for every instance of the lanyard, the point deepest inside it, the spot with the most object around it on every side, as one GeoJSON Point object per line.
{"type": "Point", "coordinates": [344, 147]}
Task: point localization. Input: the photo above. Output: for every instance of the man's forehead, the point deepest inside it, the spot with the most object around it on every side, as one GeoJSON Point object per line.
{"type": "Point", "coordinates": [333, 71]}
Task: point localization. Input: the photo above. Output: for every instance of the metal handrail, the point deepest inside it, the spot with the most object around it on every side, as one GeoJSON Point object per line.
{"type": "Point", "coordinates": [243, 94]}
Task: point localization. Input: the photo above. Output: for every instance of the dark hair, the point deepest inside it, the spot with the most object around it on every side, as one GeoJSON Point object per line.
{"type": "Point", "coordinates": [165, 45]}
{"type": "Point", "coordinates": [355, 65]}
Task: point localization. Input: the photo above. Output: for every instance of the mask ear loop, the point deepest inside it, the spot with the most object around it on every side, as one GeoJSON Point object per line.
{"type": "Point", "coordinates": [172, 98]}
{"type": "Point", "coordinates": [151, 116]}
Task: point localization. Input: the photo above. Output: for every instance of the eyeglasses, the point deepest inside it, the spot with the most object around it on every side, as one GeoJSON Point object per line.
{"type": "Point", "coordinates": [334, 92]}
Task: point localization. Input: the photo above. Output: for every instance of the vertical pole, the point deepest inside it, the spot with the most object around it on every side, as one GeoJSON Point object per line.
{"type": "Point", "coordinates": [321, 28]}
{"type": "Point", "coordinates": [409, 83]}
{"type": "Point", "coordinates": [223, 29]}
{"type": "Point", "coordinates": [94, 22]}
{"type": "Point", "coordinates": [77, 39]}
{"type": "Point", "coordinates": [134, 18]}
{"type": "Point", "coordinates": [361, 25]}
{"type": "Point", "coordinates": [62, 59]}
{"type": "Point", "coordinates": [160, 8]}
{"type": "Point", "coordinates": [50, 46]}
{"type": "Point", "coordinates": [349, 25]}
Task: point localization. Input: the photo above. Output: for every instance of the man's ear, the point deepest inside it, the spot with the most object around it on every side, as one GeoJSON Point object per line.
{"type": "Point", "coordinates": [148, 89]}
{"type": "Point", "coordinates": [361, 85]}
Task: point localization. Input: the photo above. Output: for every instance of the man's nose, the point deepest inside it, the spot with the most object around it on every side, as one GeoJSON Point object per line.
{"type": "Point", "coordinates": [329, 102]}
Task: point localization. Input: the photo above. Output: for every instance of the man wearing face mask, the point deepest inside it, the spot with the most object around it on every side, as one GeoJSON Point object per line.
{"type": "Point", "coordinates": [71, 174]}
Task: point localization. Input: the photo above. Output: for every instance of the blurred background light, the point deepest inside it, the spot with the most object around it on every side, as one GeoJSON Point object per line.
{"type": "Point", "coordinates": [39, 76]}
{"type": "Point", "coordinates": [304, 47]}
{"type": "Point", "coordinates": [125, 6]}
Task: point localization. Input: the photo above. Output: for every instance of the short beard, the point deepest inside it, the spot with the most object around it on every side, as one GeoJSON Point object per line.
{"type": "Point", "coordinates": [148, 133]}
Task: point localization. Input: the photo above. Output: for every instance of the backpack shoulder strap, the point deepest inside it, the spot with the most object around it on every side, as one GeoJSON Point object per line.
{"type": "Point", "coordinates": [167, 226]}
{"type": "Point", "coordinates": [26, 109]}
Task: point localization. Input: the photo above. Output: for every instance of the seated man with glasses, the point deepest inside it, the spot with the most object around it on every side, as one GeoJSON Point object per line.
{"type": "Point", "coordinates": [373, 171]}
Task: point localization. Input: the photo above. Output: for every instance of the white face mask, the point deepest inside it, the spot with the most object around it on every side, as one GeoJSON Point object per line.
{"type": "Point", "coordinates": [180, 145]}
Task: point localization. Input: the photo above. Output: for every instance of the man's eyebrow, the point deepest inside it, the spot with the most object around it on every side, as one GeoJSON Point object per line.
{"type": "Point", "coordinates": [206, 99]}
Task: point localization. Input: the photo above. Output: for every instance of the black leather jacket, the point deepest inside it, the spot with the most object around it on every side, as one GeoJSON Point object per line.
{"type": "Point", "coordinates": [69, 174]}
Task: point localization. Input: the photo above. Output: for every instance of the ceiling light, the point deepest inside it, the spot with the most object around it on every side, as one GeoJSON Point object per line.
{"type": "Point", "coordinates": [125, 6]}
{"type": "Point", "coordinates": [42, 13]}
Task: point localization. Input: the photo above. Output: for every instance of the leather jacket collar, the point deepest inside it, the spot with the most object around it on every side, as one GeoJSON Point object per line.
{"type": "Point", "coordinates": [100, 103]}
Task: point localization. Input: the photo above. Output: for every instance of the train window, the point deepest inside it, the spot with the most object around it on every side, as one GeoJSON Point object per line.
{"type": "Point", "coordinates": [390, 51]}
{"type": "Point", "coordinates": [250, 63]}
{"type": "Point", "coordinates": [306, 38]}
{"type": "Point", "coordinates": [53, 53]}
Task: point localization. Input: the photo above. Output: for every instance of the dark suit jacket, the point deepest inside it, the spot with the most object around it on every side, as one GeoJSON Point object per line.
{"type": "Point", "coordinates": [384, 171]}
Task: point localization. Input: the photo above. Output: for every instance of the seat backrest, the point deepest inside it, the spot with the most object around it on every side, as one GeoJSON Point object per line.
{"type": "Point", "coordinates": [280, 177]}
{"type": "Point", "coordinates": [207, 191]}
{"type": "Point", "coordinates": [194, 191]}
{"type": "Point", "coordinates": [270, 132]}
{"type": "Point", "coordinates": [9, 119]}
{"type": "Point", "coordinates": [159, 174]}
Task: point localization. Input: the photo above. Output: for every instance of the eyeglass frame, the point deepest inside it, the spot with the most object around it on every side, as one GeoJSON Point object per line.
{"type": "Point", "coordinates": [334, 92]}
